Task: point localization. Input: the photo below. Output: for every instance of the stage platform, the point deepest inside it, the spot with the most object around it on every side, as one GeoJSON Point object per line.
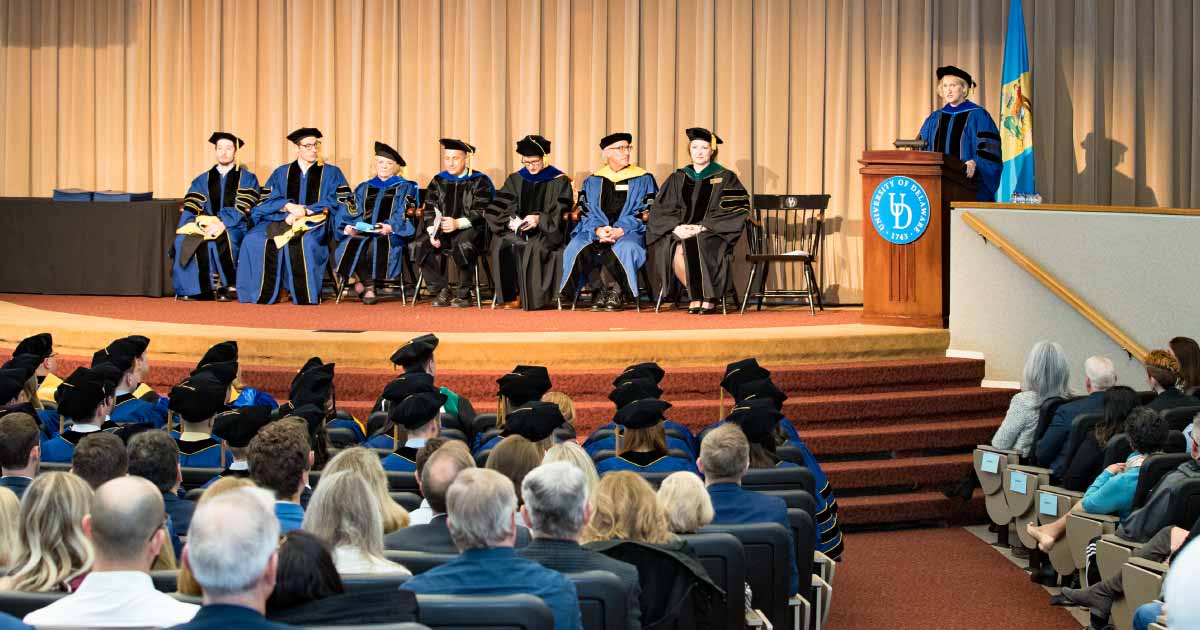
{"type": "Point", "coordinates": [354, 335]}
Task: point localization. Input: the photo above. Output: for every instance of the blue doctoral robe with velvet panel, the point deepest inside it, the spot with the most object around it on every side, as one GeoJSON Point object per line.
{"type": "Point", "coordinates": [967, 131]}
{"type": "Point", "coordinates": [230, 198]}
{"type": "Point", "coordinates": [299, 266]}
{"type": "Point", "coordinates": [630, 249]}
{"type": "Point", "coordinates": [665, 463]}
{"type": "Point", "coordinates": [376, 201]}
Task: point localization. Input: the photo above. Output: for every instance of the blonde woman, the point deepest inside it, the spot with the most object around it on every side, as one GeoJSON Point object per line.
{"type": "Point", "coordinates": [565, 405]}
{"type": "Point", "coordinates": [514, 457]}
{"type": "Point", "coordinates": [186, 584]}
{"type": "Point", "coordinates": [626, 508]}
{"type": "Point", "coordinates": [10, 525]}
{"type": "Point", "coordinates": [55, 555]}
{"type": "Point", "coordinates": [365, 464]}
{"type": "Point", "coordinates": [685, 500]}
{"type": "Point", "coordinates": [574, 454]}
{"type": "Point", "coordinates": [344, 512]}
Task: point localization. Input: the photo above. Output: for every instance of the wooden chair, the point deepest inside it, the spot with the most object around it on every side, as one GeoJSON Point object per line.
{"type": "Point", "coordinates": [787, 229]}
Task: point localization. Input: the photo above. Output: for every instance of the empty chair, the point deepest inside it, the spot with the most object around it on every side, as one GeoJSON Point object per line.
{"type": "Point", "coordinates": [1021, 486]}
{"type": "Point", "coordinates": [786, 230]}
{"type": "Point", "coordinates": [471, 612]}
{"type": "Point", "coordinates": [766, 549]}
{"type": "Point", "coordinates": [725, 560]}
{"type": "Point", "coordinates": [991, 465]}
{"type": "Point", "coordinates": [602, 604]}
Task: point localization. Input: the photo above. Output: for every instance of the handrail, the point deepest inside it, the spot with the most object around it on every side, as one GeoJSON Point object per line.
{"type": "Point", "coordinates": [1074, 301]}
{"type": "Point", "coordinates": [1071, 207]}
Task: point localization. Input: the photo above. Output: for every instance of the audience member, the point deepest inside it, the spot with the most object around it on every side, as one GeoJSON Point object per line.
{"type": "Point", "coordinates": [383, 427]}
{"type": "Point", "coordinates": [1046, 375]}
{"type": "Point", "coordinates": [10, 529]}
{"type": "Point", "coordinates": [537, 421]}
{"type": "Point", "coordinates": [574, 454]}
{"type": "Point", "coordinates": [1162, 372]}
{"type": "Point", "coordinates": [565, 405]}
{"type": "Point", "coordinates": [306, 572]}
{"type": "Point", "coordinates": [686, 502]}
{"type": "Point", "coordinates": [1155, 514]}
{"type": "Point", "coordinates": [1187, 352]}
{"type": "Point", "coordinates": [424, 513]}
{"type": "Point", "coordinates": [280, 458]}
{"type": "Point", "coordinates": [1087, 461]}
{"type": "Point", "coordinates": [196, 401]}
{"type": "Point", "coordinates": [99, 458]}
{"type": "Point", "coordinates": [345, 512]}
{"type": "Point", "coordinates": [20, 451]}
{"type": "Point", "coordinates": [482, 520]}
{"type": "Point", "coordinates": [125, 527]}
{"type": "Point", "coordinates": [514, 457]}
{"type": "Point", "coordinates": [759, 419]}
{"type": "Point", "coordinates": [155, 456]}
{"type": "Point", "coordinates": [185, 584]}
{"type": "Point", "coordinates": [232, 554]}
{"type": "Point", "coordinates": [557, 506]}
{"type": "Point", "coordinates": [236, 428]}
{"type": "Point", "coordinates": [414, 420]}
{"type": "Point", "coordinates": [54, 554]}
{"type": "Point", "coordinates": [724, 460]}
{"type": "Point", "coordinates": [1051, 450]}
{"type": "Point", "coordinates": [643, 445]}
{"type": "Point", "coordinates": [85, 397]}
{"type": "Point", "coordinates": [365, 464]}
{"type": "Point", "coordinates": [1112, 491]}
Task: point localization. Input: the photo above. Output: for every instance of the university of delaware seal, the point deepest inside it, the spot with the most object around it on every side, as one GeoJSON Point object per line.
{"type": "Point", "coordinates": [900, 209]}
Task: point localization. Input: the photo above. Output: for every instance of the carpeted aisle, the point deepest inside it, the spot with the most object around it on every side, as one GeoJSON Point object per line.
{"type": "Point", "coordinates": [935, 578]}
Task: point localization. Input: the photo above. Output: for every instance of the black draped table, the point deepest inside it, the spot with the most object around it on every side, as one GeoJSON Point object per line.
{"type": "Point", "coordinates": [86, 248]}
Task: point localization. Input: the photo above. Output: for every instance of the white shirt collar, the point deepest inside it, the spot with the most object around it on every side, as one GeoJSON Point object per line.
{"type": "Point", "coordinates": [224, 170]}
{"type": "Point", "coordinates": [304, 167]}
{"type": "Point", "coordinates": [416, 442]}
{"type": "Point", "coordinates": [84, 428]}
{"type": "Point", "coordinates": [240, 465]}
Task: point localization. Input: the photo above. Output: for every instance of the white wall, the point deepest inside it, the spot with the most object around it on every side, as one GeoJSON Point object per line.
{"type": "Point", "coordinates": [1141, 271]}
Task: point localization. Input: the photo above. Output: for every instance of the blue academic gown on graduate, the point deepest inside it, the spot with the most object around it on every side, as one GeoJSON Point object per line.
{"type": "Point", "coordinates": [968, 132]}
{"type": "Point", "coordinates": [61, 448]}
{"type": "Point", "coordinates": [229, 197]}
{"type": "Point", "coordinates": [299, 266]}
{"type": "Point", "coordinates": [610, 443]}
{"type": "Point", "coordinates": [132, 410]}
{"type": "Point", "coordinates": [692, 442]}
{"type": "Point", "coordinates": [201, 453]}
{"type": "Point", "coordinates": [355, 427]}
{"type": "Point", "coordinates": [630, 249]}
{"type": "Point", "coordinates": [666, 463]}
{"type": "Point", "coordinates": [376, 201]}
{"type": "Point", "coordinates": [253, 397]}
{"type": "Point", "coordinates": [404, 459]}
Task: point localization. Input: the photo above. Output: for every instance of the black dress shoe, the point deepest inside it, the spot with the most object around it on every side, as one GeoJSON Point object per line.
{"type": "Point", "coordinates": [614, 303]}
{"type": "Point", "coordinates": [711, 310]}
{"type": "Point", "coordinates": [461, 302]}
{"type": "Point", "coordinates": [223, 295]}
{"type": "Point", "coordinates": [441, 299]}
{"type": "Point", "coordinates": [598, 299]}
{"type": "Point", "coordinates": [199, 297]}
{"type": "Point", "coordinates": [693, 310]}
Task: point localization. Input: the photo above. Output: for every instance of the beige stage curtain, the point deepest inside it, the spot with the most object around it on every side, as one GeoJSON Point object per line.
{"type": "Point", "coordinates": [121, 94]}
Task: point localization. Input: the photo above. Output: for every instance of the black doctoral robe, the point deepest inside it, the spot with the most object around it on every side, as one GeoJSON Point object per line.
{"type": "Point", "coordinates": [463, 196]}
{"type": "Point", "coordinates": [714, 199]}
{"type": "Point", "coordinates": [528, 263]}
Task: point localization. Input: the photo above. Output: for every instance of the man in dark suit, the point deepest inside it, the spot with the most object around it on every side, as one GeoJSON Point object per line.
{"type": "Point", "coordinates": [1162, 370]}
{"type": "Point", "coordinates": [724, 460]}
{"type": "Point", "coordinates": [556, 510]}
{"type": "Point", "coordinates": [1051, 450]}
{"type": "Point", "coordinates": [232, 555]}
{"type": "Point", "coordinates": [20, 451]}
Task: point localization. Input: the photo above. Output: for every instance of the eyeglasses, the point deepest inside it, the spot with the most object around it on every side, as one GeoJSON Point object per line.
{"type": "Point", "coordinates": [623, 149]}
{"type": "Point", "coordinates": [310, 145]}
{"type": "Point", "coordinates": [531, 162]}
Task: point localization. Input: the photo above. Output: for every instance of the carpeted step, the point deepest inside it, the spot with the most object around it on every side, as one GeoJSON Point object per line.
{"type": "Point", "coordinates": [870, 411]}
{"type": "Point", "coordinates": [909, 507]}
{"type": "Point", "coordinates": [903, 437]}
{"type": "Point", "coordinates": [901, 471]}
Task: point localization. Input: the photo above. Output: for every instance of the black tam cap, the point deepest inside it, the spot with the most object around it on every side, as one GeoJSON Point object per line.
{"type": "Point", "coordinates": [417, 410]}
{"type": "Point", "coordinates": [313, 386]}
{"type": "Point", "coordinates": [11, 384]}
{"type": "Point", "coordinates": [103, 356]}
{"type": "Point", "coordinates": [223, 371]}
{"type": "Point", "coordinates": [304, 132]}
{"type": "Point", "coordinates": [955, 72]}
{"type": "Point", "coordinates": [416, 352]}
{"type": "Point", "coordinates": [454, 144]}
{"type": "Point", "coordinates": [41, 344]}
{"type": "Point", "coordinates": [404, 386]}
{"type": "Point", "coordinates": [534, 421]}
{"type": "Point", "coordinates": [533, 146]}
{"type": "Point", "coordinates": [634, 389]}
{"type": "Point", "coordinates": [238, 426]}
{"type": "Point", "coordinates": [614, 138]}
{"type": "Point", "coordinates": [224, 351]}
{"type": "Point", "coordinates": [700, 133]}
{"type": "Point", "coordinates": [741, 372]}
{"type": "Point", "coordinates": [758, 418]}
{"type": "Point", "coordinates": [225, 135]}
{"type": "Point", "coordinates": [313, 417]}
{"type": "Point", "coordinates": [198, 398]}
{"type": "Point", "coordinates": [641, 414]}
{"type": "Point", "coordinates": [110, 373]}
{"type": "Point", "coordinates": [524, 383]}
{"type": "Point", "coordinates": [23, 365]}
{"type": "Point", "coordinates": [762, 388]}
{"type": "Point", "coordinates": [383, 150]}
{"type": "Point", "coordinates": [649, 370]}
{"type": "Point", "coordinates": [81, 392]}
{"type": "Point", "coordinates": [312, 362]}
{"type": "Point", "coordinates": [122, 352]}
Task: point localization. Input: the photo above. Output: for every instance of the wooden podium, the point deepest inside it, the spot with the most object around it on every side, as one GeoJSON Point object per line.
{"type": "Point", "coordinates": [908, 284]}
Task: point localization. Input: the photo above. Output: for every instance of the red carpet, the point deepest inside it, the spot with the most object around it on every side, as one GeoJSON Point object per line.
{"type": "Point", "coordinates": [935, 578]}
{"type": "Point", "coordinates": [391, 315]}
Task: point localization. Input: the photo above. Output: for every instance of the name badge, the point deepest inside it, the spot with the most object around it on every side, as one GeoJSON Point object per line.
{"type": "Point", "coordinates": [717, 180]}
{"type": "Point", "coordinates": [990, 462]}
{"type": "Point", "coordinates": [1017, 482]}
{"type": "Point", "coordinates": [622, 187]}
{"type": "Point", "coordinates": [1047, 504]}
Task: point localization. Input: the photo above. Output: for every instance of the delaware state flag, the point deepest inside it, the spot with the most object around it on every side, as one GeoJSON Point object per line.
{"type": "Point", "coordinates": [1016, 113]}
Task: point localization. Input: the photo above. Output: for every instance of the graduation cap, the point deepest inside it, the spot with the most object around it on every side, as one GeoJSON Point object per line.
{"type": "Point", "coordinates": [238, 426]}
{"type": "Point", "coordinates": [955, 72]}
{"type": "Point", "coordinates": [41, 344]}
{"type": "Point", "coordinates": [454, 144]}
{"type": "Point", "coordinates": [410, 383]}
{"type": "Point", "coordinates": [758, 418]}
{"type": "Point", "coordinates": [534, 421]}
{"type": "Point", "coordinates": [312, 416]}
{"type": "Point", "coordinates": [614, 138]}
{"type": "Point", "coordinates": [223, 371]}
{"type": "Point", "coordinates": [224, 351]}
{"type": "Point", "coordinates": [121, 362]}
{"type": "Point", "coordinates": [383, 150]}
{"type": "Point", "coordinates": [135, 343]}
{"type": "Point", "coordinates": [26, 363]}
{"type": "Point", "coordinates": [741, 372]}
{"type": "Point", "coordinates": [417, 410]}
{"type": "Point", "coordinates": [111, 374]}
{"type": "Point", "coordinates": [649, 370]}
{"type": "Point", "coordinates": [80, 393]}
{"type": "Point", "coordinates": [217, 136]}
{"type": "Point", "coordinates": [533, 146]}
{"type": "Point", "coordinates": [11, 384]}
{"type": "Point", "coordinates": [700, 133]}
{"type": "Point", "coordinates": [312, 362]}
{"type": "Point", "coordinates": [197, 398]}
{"type": "Point", "coordinates": [524, 383]}
{"type": "Point", "coordinates": [312, 386]}
{"type": "Point", "coordinates": [641, 414]}
{"type": "Point", "coordinates": [762, 388]}
{"type": "Point", "coordinates": [304, 132]}
{"type": "Point", "coordinates": [416, 352]}
{"type": "Point", "coordinates": [633, 389]}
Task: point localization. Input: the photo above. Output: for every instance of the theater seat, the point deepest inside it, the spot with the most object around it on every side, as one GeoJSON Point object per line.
{"type": "Point", "coordinates": [725, 561]}
{"type": "Point", "coordinates": [1142, 580]}
{"type": "Point", "coordinates": [602, 603]}
{"type": "Point", "coordinates": [1179, 417]}
{"type": "Point", "coordinates": [410, 500]}
{"type": "Point", "coordinates": [402, 482]}
{"type": "Point", "coordinates": [166, 580]}
{"type": "Point", "coordinates": [341, 437]}
{"type": "Point", "coordinates": [20, 603]}
{"type": "Point", "coordinates": [1021, 493]}
{"type": "Point", "coordinates": [46, 467]}
{"type": "Point", "coordinates": [481, 458]}
{"type": "Point", "coordinates": [194, 477]}
{"type": "Point", "coordinates": [798, 499]}
{"type": "Point", "coordinates": [411, 625]}
{"type": "Point", "coordinates": [1153, 469]}
{"type": "Point", "coordinates": [766, 549]}
{"type": "Point", "coordinates": [453, 434]}
{"type": "Point", "coordinates": [418, 561]}
{"type": "Point", "coordinates": [991, 466]}
{"type": "Point", "coordinates": [194, 494]}
{"type": "Point", "coordinates": [358, 582]}
{"type": "Point", "coordinates": [1052, 503]}
{"type": "Point", "coordinates": [819, 592]}
{"type": "Point", "coordinates": [790, 478]}
{"type": "Point", "coordinates": [474, 612]}
{"type": "Point", "coordinates": [1082, 527]}
{"type": "Point", "coordinates": [483, 422]}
